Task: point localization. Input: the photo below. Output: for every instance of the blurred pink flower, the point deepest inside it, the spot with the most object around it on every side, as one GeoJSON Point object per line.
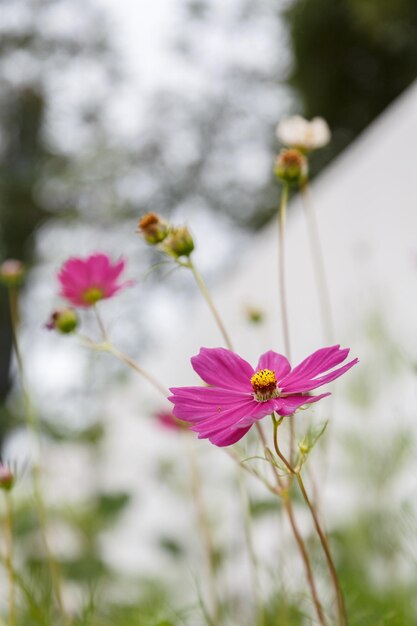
{"type": "Point", "coordinates": [86, 281]}
{"type": "Point", "coordinates": [168, 421]}
{"type": "Point", "coordinates": [238, 395]}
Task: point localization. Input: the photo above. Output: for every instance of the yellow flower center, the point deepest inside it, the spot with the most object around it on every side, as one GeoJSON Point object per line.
{"type": "Point", "coordinates": [264, 384]}
{"type": "Point", "coordinates": [93, 295]}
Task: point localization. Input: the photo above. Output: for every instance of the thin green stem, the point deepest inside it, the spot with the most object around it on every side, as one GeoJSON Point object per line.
{"type": "Point", "coordinates": [342, 615]}
{"type": "Point", "coordinates": [8, 533]}
{"type": "Point", "coordinates": [205, 533]}
{"type": "Point", "coordinates": [202, 286]}
{"type": "Point", "coordinates": [318, 263]}
{"type": "Point", "coordinates": [100, 323]}
{"type": "Point", "coordinates": [282, 215]}
{"type": "Point", "coordinates": [33, 425]}
{"type": "Point", "coordinates": [282, 218]}
{"type": "Point", "coordinates": [124, 358]}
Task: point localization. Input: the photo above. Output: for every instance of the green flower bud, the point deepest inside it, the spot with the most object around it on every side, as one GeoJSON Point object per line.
{"type": "Point", "coordinates": [12, 273]}
{"type": "Point", "coordinates": [153, 228]}
{"type": "Point", "coordinates": [65, 321]}
{"type": "Point", "coordinates": [291, 166]}
{"type": "Point", "coordinates": [179, 242]}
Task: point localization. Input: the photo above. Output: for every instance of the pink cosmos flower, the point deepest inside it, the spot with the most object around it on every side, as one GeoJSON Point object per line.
{"type": "Point", "coordinates": [86, 281]}
{"type": "Point", "coordinates": [239, 395]}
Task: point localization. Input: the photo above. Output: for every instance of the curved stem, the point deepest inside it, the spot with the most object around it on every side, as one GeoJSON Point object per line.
{"type": "Point", "coordinates": [318, 263]}
{"type": "Point", "coordinates": [283, 492]}
{"type": "Point", "coordinates": [343, 620]}
{"type": "Point", "coordinates": [282, 214]}
{"type": "Point", "coordinates": [8, 533]}
{"type": "Point", "coordinates": [124, 358]}
{"type": "Point", "coordinates": [202, 286]}
{"type": "Point", "coordinates": [33, 425]}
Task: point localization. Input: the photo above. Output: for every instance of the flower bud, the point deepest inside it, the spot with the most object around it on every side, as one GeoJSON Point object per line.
{"type": "Point", "coordinates": [65, 321]}
{"type": "Point", "coordinates": [7, 478]}
{"type": "Point", "coordinates": [153, 228]}
{"type": "Point", "coordinates": [255, 315]}
{"type": "Point", "coordinates": [12, 273]}
{"type": "Point", "coordinates": [303, 447]}
{"type": "Point", "coordinates": [179, 242]}
{"type": "Point", "coordinates": [291, 166]}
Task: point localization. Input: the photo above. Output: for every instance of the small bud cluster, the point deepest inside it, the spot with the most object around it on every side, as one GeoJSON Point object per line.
{"type": "Point", "coordinates": [65, 321]}
{"type": "Point", "coordinates": [12, 273]}
{"type": "Point", "coordinates": [175, 241]}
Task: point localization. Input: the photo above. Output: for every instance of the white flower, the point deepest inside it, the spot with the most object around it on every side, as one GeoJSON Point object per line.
{"type": "Point", "coordinates": [297, 132]}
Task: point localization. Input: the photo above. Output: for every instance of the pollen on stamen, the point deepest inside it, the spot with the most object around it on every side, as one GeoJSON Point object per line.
{"type": "Point", "coordinates": [264, 384]}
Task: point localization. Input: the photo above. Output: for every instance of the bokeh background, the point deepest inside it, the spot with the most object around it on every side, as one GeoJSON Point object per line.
{"type": "Point", "coordinates": [109, 110]}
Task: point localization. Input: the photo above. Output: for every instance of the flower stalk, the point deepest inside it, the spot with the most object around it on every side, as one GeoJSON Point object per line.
{"type": "Point", "coordinates": [342, 615]}
{"type": "Point", "coordinates": [318, 263]}
{"type": "Point", "coordinates": [206, 295]}
{"type": "Point", "coordinates": [283, 492]}
{"type": "Point", "coordinates": [282, 218]}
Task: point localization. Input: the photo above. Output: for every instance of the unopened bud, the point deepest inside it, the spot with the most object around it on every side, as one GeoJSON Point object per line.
{"type": "Point", "coordinates": [291, 166]}
{"type": "Point", "coordinates": [179, 242]}
{"type": "Point", "coordinates": [303, 447]}
{"type": "Point", "coordinates": [255, 315]}
{"type": "Point", "coordinates": [12, 273]}
{"type": "Point", "coordinates": [65, 321]}
{"type": "Point", "coordinates": [7, 478]}
{"type": "Point", "coordinates": [153, 228]}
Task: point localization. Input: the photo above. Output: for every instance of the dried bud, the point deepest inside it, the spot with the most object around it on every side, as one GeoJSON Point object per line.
{"type": "Point", "coordinates": [153, 228]}
{"type": "Point", "coordinates": [7, 478]}
{"type": "Point", "coordinates": [179, 242]}
{"type": "Point", "coordinates": [291, 167]}
{"type": "Point", "coordinates": [12, 273]}
{"type": "Point", "coordinates": [65, 321]}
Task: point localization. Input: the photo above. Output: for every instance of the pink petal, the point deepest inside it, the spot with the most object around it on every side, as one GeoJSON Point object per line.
{"type": "Point", "coordinates": [317, 363]}
{"type": "Point", "coordinates": [97, 269]}
{"type": "Point", "coordinates": [288, 405]}
{"type": "Point", "coordinates": [238, 415]}
{"type": "Point", "coordinates": [223, 368]}
{"type": "Point", "coordinates": [308, 385]}
{"type": "Point", "coordinates": [220, 428]}
{"type": "Point", "coordinates": [228, 437]}
{"type": "Point", "coordinates": [320, 361]}
{"type": "Point", "coordinates": [273, 361]}
{"type": "Point", "coordinates": [196, 403]}
{"type": "Point", "coordinates": [116, 269]}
